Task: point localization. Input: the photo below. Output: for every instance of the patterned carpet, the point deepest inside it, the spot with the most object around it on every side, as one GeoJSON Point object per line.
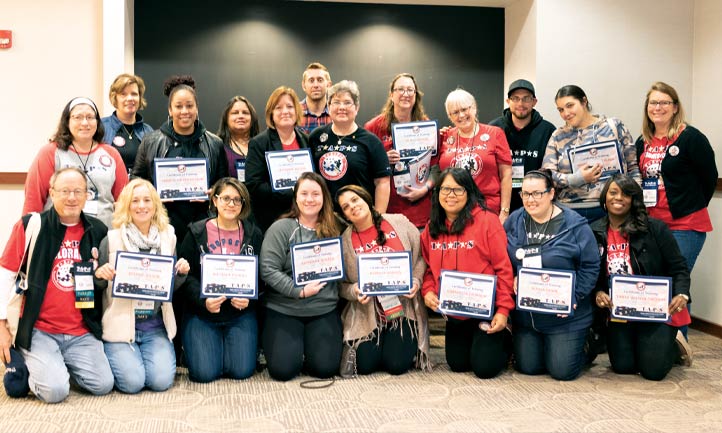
{"type": "Point", "coordinates": [689, 400]}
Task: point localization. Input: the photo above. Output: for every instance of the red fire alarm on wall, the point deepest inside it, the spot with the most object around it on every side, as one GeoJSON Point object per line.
{"type": "Point", "coordinates": [6, 38]}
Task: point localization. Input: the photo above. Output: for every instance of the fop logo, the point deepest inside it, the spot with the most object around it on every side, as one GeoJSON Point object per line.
{"type": "Point", "coordinates": [145, 262]}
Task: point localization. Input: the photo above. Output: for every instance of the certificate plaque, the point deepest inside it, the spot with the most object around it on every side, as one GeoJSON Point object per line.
{"type": "Point", "coordinates": [181, 178]}
{"type": "Point", "coordinates": [605, 153]}
{"type": "Point", "coordinates": [414, 138]}
{"type": "Point", "coordinates": [285, 166]}
{"type": "Point", "coordinates": [413, 172]}
{"type": "Point", "coordinates": [384, 273]}
{"type": "Point", "coordinates": [143, 276]}
{"type": "Point", "coordinates": [640, 298]}
{"type": "Point", "coordinates": [232, 276]}
{"type": "Point", "coordinates": [317, 261]}
{"type": "Point", "coordinates": [467, 294]}
{"type": "Point", "coordinates": [547, 291]}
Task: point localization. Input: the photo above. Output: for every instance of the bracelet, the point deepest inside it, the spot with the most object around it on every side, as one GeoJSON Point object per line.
{"type": "Point", "coordinates": [505, 209]}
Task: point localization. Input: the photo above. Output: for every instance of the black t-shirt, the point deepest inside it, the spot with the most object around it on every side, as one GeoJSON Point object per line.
{"type": "Point", "coordinates": [126, 142]}
{"type": "Point", "coordinates": [539, 233]}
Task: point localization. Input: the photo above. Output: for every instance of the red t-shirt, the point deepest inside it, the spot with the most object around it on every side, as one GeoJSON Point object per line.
{"type": "Point", "coordinates": [618, 258]}
{"type": "Point", "coordinates": [292, 145]}
{"type": "Point", "coordinates": [365, 241]}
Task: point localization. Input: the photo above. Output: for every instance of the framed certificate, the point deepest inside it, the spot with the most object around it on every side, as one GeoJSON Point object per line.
{"type": "Point", "coordinates": [229, 276]}
{"type": "Point", "coordinates": [143, 276]}
{"type": "Point", "coordinates": [412, 172]}
{"type": "Point", "coordinates": [606, 153]}
{"type": "Point", "coordinates": [317, 261]}
{"type": "Point", "coordinates": [414, 138]}
{"type": "Point", "coordinates": [181, 178]}
{"type": "Point", "coordinates": [467, 294]}
{"type": "Point", "coordinates": [285, 166]}
{"type": "Point", "coordinates": [640, 298]}
{"type": "Point", "coordinates": [547, 291]}
{"type": "Point", "coordinates": [384, 273]}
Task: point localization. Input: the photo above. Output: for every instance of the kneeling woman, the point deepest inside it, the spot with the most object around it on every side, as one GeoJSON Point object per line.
{"type": "Point", "coordinates": [220, 335]}
{"type": "Point", "coordinates": [633, 243]}
{"type": "Point", "coordinates": [463, 235]}
{"type": "Point", "coordinates": [302, 326]}
{"type": "Point", "coordinates": [551, 237]}
{"type": "Point", "coordinates": [137, 334]}
{"type": "Point", "coordinates": [381, 339]}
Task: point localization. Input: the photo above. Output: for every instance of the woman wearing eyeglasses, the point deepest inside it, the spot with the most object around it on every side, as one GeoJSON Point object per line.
{"type": "Point", "coordinates": [220, 334]}
{"type": "Point", "coordinates": [239, 123]}
{"type": "Point", "coordinates": [345, 153]}
{"type": "Point", "coordinates": [578, 184]}
{"type": "Point", "coordinates": [402, 106]}
{"type": "Point", "coordinates": [480, 149]}
{"type": "Point", "coordinates": [547, 236]}
{"type": "Point", "coordinates": [679, 171]}
{"type": "Point", "coordinates": [463, 235]}
{"type": "Point", "coordinates": [78, 143]}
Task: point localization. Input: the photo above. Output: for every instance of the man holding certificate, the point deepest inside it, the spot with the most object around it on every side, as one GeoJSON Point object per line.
{"type": "Point", "coordinates": [635, 245]}
{"type": "Point", "coordinates": [555, 255]}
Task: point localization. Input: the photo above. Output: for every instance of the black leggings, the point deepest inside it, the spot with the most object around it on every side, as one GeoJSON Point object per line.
{"type": "Point", "coordinates": [393, 352]}
{"type": "Point", "coordinates": [642, 347]}
{"type": "Point", "coordinates": [470, 348]}
{"type": "Point", "coordinates": [291, 341]}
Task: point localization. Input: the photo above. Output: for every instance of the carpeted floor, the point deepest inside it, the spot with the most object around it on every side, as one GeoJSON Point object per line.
{"type": "Point", "coordinates": [689, 400]}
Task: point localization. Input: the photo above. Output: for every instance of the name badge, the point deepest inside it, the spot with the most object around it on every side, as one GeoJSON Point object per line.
{"type": "Point", "coordinates": [532, 256]}
{"type": "Point", "coordinates": [650, 187]}
{"type": "Point", "coordinates": [392, 306]}
{"type": "Point", "coordinates": [517, 174]}
{"type": "Point", "coordinates": [143, 309]}
{"type": "Point", "coordinates": [91, 204]}
{"type": "Point", "coordinates": [241, 169]}
{"type": "Point", "coordinates": [84, 288]}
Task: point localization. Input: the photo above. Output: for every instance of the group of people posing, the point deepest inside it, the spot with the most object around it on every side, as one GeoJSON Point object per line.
{"type": "Point", "coordinates": [498, 197]}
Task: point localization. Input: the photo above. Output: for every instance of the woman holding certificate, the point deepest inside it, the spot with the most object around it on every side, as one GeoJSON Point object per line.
{"type": "Point", "coordinates": [465, 237]}
{"type": "Point", "coordinates": [220, 335]}
{"type": "Point", "coordinates": [283, 115]}
{"type": "Point", "coordinates": [403, 106]}
{"type": "Point", "coordinates": [137, 333]}
{"type": "Point", "coordinates": [239, 123]}
{"type": "Point", "coordinates": [544, 236]}
{"type": "Point", "coordinates": [634, 244]}
{"type": "Point", "coordinates": [302, 328]}
{"type": "Point", "coordinates": [584, 152]}
{"type": "Point", "coordinates": [386, 332]}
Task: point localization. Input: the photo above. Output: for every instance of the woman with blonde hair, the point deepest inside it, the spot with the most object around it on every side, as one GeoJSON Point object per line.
{"type": "Point", "coordinates": [137, 333]}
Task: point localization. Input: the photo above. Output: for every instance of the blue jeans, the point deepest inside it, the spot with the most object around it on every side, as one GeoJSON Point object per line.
{"type": "Point", "coordinates": [53, 359]}
{"type": "Point", "coordinates": [690, 245]}
{"type": "Point", "coordinates": [215, 349]}
{"type": "Point", "coordinates": [561, 355]}
{"type": "Point", "coordinates": [149, 361]}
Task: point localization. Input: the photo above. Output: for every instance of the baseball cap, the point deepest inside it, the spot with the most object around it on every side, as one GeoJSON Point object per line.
{"type": "Point", "coordinates": [15, 378]}
{"type": "Point", "coordinates": [521, 84]}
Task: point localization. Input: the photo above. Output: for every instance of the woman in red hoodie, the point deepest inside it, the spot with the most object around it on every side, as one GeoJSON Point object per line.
{"type": "Point", "coordinates": [464, 236]}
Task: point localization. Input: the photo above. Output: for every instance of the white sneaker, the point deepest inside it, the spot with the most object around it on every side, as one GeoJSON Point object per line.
{"type": "Point", "coordinates": [685, 351]}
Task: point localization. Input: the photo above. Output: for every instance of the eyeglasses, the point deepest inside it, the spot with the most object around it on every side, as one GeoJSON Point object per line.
{"type": "Point", "coordinates": [65, 193]}
{"type": "Point", "coordinates": [463, 111]}
{"type": "Point", "coordinates": [344, 104]}
{"type": "Point", "coordinates": [663, 104]}
{"type": "Point", "coordinates": [78, 118]}
{"type": "Point", "coordinates": [405, 91]}
{"type": "Point", "coordinates": [526, 99]}
{"type": "Point", "coordinates": [228, 200]}
{"type": "Point", "coordinates": [445, 190]}
{"type": "Point", "coordinates": [536, 194]}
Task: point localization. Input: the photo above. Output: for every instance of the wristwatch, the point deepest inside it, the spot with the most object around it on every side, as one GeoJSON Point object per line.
{"type": "Point", "coordinates": [686, 298]}
{"type": "Point", "coordinates": [505, 209]}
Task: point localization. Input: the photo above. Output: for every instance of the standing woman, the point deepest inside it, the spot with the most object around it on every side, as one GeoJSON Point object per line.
{"type": "Point", "coordinates": [402, 106]}
{"type": "Point", "coordinates": [579, 187]}
{"type": "Point", "coordinates": [552, 343]}
{"type": "Point", "coordinates": [78, 143]}
{"type": "Point", "coordinates": [239, 123]}
{"type": "Point", "coordinates": [221, 335]}
{"type": "Point", "coordinates": [124, 129]}
{"type": "Point", "coordinates": [302, 327]}
{"type": "Point", "coordinates": [677, 162]}
{"type": "Point", "coordinates": [381, 342]}
{"type": "Point", "coordinates": [633, 243]}
{"type": "Point", "coordinates": [182, 136]}
{"type": "Point", "coordinates": [283, 114]}
{"type": "Point", "coordinates": [346, 154]}
{"type": "Point", "coordinates": [463, 235]}
{"type": "Point", "coordinates": [137, 334]}
{"type": "Point", "coordinates": [480, 149]}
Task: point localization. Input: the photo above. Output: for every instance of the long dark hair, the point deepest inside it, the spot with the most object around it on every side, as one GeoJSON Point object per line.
{"type": "Point", "coordinates": [637, 220]}
{"type": "Point", "coordinates": [327, 227]}
{"type": "Point", "coordinates": [63, 137]}
{"type": "Point", "coordinates": [474, 199]}
{"type": "Point", "coordinates": [375, 215]}
{"type": "Point", "coordinates": [224, 132]}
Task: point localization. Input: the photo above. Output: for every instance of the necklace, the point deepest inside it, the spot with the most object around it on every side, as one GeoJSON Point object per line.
{"type": "Point", "coordinates": [341, 137]}
{"type": "Point", "coordinates": [537, 234]}
{"type": "Point", "coordinates": [236, 146]}
{"type": "Point", "coordinates": [84, 164]}
{"type": "Point", "coordinates": [130, 133]}
{"type": "Point", "coordinates": [218, 227]}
